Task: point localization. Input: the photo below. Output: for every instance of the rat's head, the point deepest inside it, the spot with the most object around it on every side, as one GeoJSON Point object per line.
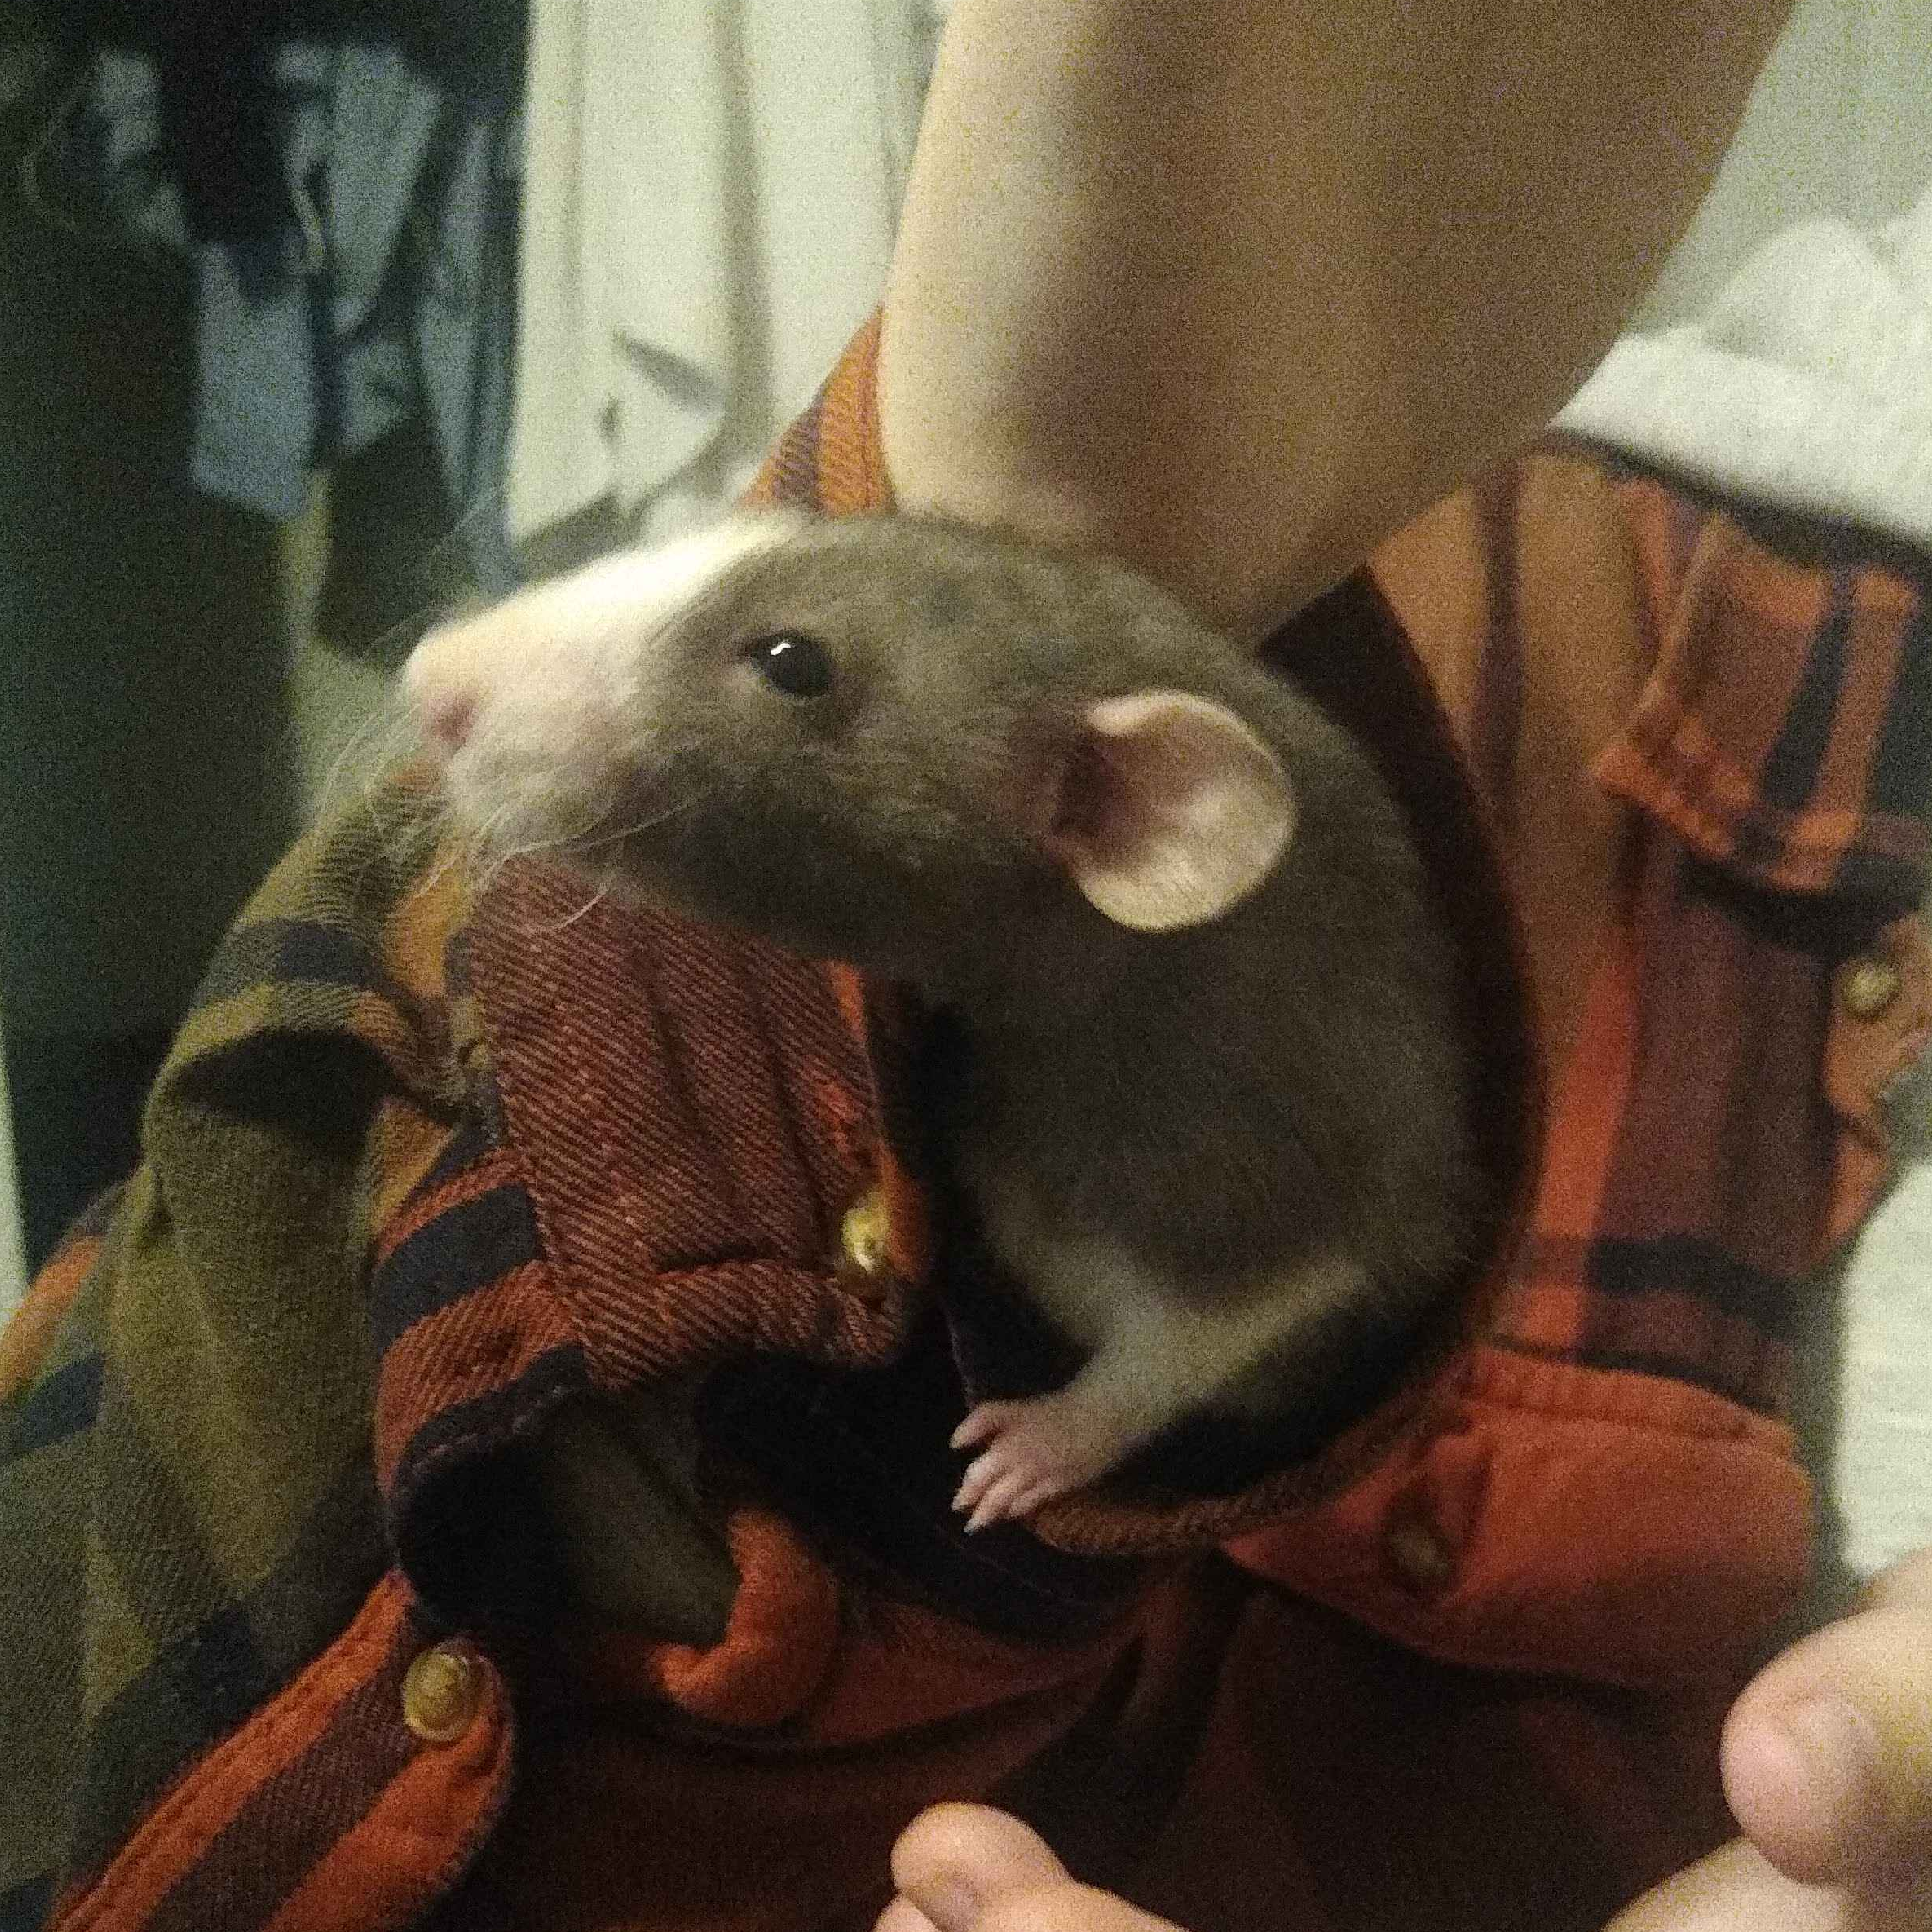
{"type": "Point", "coordinates": [905, 743]}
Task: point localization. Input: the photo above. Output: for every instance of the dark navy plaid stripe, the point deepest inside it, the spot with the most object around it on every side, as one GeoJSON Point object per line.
{"type": "Point", "coordinates": [25, 1908]}
{"type": "Point", "coordinates": [334, 1560]}
{"type": "Point", "coordinates": [1895, 883]}
{"type": "Point", "coordinates": [469, 1246]}
{"type": "Point", "coordinates": [199, 1684]}
{"type": "Point", "coordinates": [1696, 1268]}
{"type": "Point", "coordinates": [49, 1412]}
{"type": "Point", "coordinates": [472, 1141]}
{"type": "Point", "coordinates": [1622, 1264]}
{"type": "Point", "coordinates": [205, 1682]}
{"type": "Point", "coordinates": [1791, 773]}
{"type": "Point", "coordinates": [1669, 1368]}
{"type": "Point", "coordinates": [463, 1431]}
{"type": "Point", "coordinates": [269, 951]}
{"type": "Point", "coordinates": [292, 1820]}
{"type": "Point", "coordinates": [191, 1695]}
{"type": "Point", "coordinates": [274, 954]}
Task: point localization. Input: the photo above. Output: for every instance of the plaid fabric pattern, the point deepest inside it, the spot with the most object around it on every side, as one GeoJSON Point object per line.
{"type": "Point", "coordinates": [193, 1516]}
{"type": "Point", "coordinates": [1781, 761]}
{"type": "Point", "coordinates": [394, 1208]}
{"type": "Point", "coordinates": [1783, 733]}
{"type": "Point", "coordinates": [1720, 1121]}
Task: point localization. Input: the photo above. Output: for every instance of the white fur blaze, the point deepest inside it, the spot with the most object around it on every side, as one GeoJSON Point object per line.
{"type": "Point", "coordinates": [575, 647]}
{"type": "Point", "coordinates": [539, 706]}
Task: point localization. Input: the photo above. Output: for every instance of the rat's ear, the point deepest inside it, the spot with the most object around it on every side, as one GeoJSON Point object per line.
{"type": "Point", "coordinates": [1169, 809]}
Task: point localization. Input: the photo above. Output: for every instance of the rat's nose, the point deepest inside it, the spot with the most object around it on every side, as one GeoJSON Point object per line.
{"type": "Point", "coordinates": [447, 717]}
{"type": "Point", "coordinates": [444, 689]}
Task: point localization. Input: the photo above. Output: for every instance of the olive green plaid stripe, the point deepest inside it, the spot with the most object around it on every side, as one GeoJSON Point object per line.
{"type": "Point", "coordinates": [190, 1504]}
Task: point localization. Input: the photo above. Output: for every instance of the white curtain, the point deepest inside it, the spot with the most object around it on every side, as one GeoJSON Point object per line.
{"type": "Point", "coordinates": [710, 193]}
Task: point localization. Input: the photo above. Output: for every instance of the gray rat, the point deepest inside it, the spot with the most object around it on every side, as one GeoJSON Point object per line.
{"type": "Point", "coordinates": [1212, 1110]}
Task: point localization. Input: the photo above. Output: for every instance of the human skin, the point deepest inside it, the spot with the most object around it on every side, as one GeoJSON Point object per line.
{"type": "Point", "coordinates": [1234, 289]}
{"type": "Point", "coordinates": [1835, 1810]}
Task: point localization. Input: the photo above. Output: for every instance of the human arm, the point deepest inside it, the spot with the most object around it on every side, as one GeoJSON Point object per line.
{"type": "Point", "coordinates": [1234, 289]}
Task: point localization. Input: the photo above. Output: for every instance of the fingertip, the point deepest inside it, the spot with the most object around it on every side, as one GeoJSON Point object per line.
{"type": "Point", "coordinates": [955, 1859]}
{"type": "Point", "coordinates": [1826, 1757]}
{"type": "Point", "coordinates": [982, 1421]}
{"type": "Point", "coordinates": [1803, 1782]}
{"type": "Point", "coordinates": [903, 1915]}
{"type": "Point", "coordinates": [968, 1868]}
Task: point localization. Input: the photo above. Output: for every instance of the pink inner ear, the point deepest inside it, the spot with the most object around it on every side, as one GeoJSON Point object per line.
{"type": "Point", "coordinates": [1169, 809]}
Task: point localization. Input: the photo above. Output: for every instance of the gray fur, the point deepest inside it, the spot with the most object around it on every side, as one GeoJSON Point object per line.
{"type": "Point", "coordinates": [1266, 1111]}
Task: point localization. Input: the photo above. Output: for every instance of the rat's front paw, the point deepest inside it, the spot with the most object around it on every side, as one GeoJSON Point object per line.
{"type": "Point", "coordinates": [1036, 1450]}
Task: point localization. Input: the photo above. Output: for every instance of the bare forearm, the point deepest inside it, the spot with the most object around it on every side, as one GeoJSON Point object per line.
{"type": "Point", "coordinates": [1233, 287]}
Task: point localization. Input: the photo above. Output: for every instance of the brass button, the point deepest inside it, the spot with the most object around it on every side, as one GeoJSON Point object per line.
{"type": "Point", "coordinates": [442, 1692]}
{"type": "Point", "coordinates": [1871, 986]}
{"type": "Point", "coordinates": [1420, 1557]}
{"type": "Point", "coordinates": [863, 1235]}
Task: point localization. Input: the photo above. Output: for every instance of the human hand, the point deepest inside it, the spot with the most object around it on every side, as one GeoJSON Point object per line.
{"type": "Point", "coordinates": [968, 1868]}
{"type": "Point", "coordinates": [1828, 1765]}
{"type": "Point", "coordinates": [1837, 1813]}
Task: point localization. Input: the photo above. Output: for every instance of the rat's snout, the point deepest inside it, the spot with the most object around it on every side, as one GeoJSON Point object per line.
{"type": "Point", "coordinates": [547, 713]}
{"type": "Point", "coordinates": [522, 709]}
{"type": "Point", "coordinates": [444, 681]}
{"type": "Point", "coordinates": [447, 716]}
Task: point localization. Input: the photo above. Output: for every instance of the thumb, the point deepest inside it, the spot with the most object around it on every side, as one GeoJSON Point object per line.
{"type": "Point", "coordinates": [1827, 1754]}
{"type": "Point", "coordinates": [968, 1868]}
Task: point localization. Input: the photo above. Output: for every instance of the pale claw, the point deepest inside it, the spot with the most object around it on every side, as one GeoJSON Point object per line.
{"type": "Point", "coordinates": [1036, 1450]}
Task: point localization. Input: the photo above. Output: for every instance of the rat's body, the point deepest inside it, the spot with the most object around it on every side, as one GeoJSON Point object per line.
{"type": "Point", "coordinates": [1211, 1109]}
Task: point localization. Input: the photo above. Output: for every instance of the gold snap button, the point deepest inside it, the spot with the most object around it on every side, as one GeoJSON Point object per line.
{"type": "Point", "coordinates": [1421, 1558]}
{"type": "Point", "coordinates": [442, 1692]}
{"type": "Point", "coordinates": [863, 1235]}
{"type": "Point", "coordinates": [1871, 986]}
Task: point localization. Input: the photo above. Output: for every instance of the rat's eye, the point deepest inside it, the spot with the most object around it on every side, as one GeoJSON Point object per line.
{"type": "Point", "coordinates": [790, 662]}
